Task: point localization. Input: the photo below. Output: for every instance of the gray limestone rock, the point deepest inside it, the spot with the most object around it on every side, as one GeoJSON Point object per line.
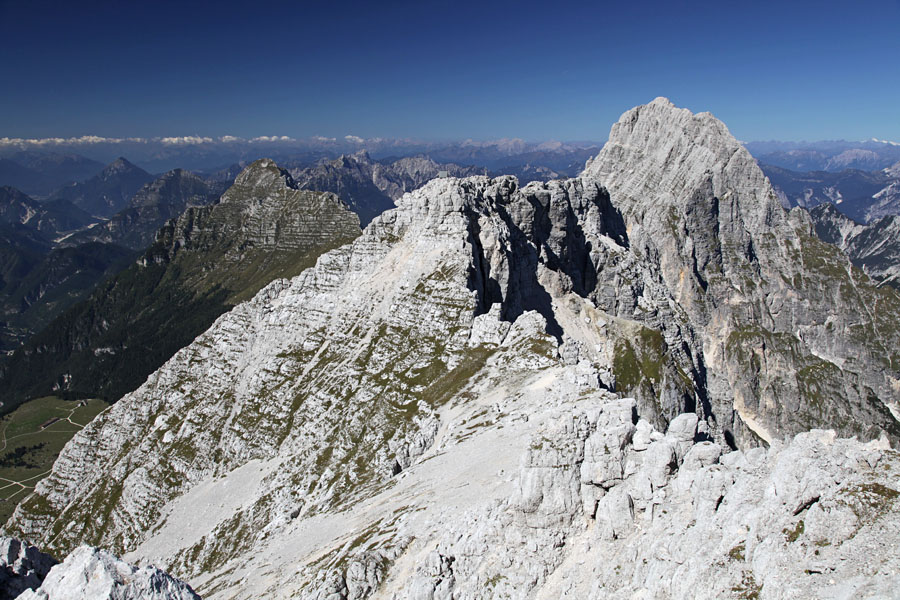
{"type": "Point", "coordinates": [91, 574]}
{"type": "Point", "coordinates": [470, 400]}
{"type": "Point", "coordinates": [22, 567]}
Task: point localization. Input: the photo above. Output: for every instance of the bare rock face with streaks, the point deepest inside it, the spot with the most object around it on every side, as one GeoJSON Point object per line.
{"type": "Point", "coordinates": [531, 392]}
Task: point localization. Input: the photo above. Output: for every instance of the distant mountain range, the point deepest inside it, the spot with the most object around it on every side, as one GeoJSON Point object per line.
{"type": "Point", "coordinates": [371, 187]}
{"type": "Point", "coordinates": [107, 192]}
{"type": "Point", "coordinates": [204, 153]}
{"type": "Point", "coordinates": [39, 173]}
{"type": "Point", "coordinates": [833, 156]}
{"type": "Point", "coordinates": [863, 196]}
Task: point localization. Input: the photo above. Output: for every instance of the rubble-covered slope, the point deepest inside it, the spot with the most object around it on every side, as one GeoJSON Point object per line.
{"type": "Point", "coordinates": [436, 409]}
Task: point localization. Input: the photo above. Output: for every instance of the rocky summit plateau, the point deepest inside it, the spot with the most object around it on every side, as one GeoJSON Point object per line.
{"type": "Point", "coordinates": [647, 381]}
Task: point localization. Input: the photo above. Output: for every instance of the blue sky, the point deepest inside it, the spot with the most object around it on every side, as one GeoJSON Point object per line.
{"type": "Point", "coordinates": [445, 70]}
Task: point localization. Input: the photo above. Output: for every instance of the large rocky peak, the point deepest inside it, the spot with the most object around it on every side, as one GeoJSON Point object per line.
{"type": "Point", "coordinates": [661, 157]}
{"type": "Point", "coordinates": [264, 210]}
{"type": "Point", "coordinates": [749, 278]}
{"type": "Point", "coordinates": [178, 188]}
{"type": "Point", "coordinates": [529, 391]}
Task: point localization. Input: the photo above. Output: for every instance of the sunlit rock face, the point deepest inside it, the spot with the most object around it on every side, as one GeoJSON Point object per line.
{"type": "Point", "coordinates": [500, 391]}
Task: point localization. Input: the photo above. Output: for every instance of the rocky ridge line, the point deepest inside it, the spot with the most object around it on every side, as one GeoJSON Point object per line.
{"type": "Point", "coordinates": [480, 319]}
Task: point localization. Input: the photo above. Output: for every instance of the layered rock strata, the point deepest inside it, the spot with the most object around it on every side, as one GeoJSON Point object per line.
{"type": "Point", "coordinates": [436, 409]}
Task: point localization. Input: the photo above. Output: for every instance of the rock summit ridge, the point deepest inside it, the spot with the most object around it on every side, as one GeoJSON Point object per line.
{"type": "Point", "coordinates": [494, 382]}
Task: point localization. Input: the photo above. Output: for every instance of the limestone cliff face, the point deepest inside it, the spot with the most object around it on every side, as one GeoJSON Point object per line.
{"type": "Point", "coordinates": [494, 386]}
{"type": "Point", "coordinates": [783, 318]}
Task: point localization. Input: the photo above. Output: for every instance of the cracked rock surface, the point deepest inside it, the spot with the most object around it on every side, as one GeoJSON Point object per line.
{"type": "Point", "coordinates": [640, 382]}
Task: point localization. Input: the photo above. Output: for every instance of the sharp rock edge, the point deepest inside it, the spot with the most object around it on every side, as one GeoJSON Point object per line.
{"type": "Point", "coordinates": [523, 392]}
{"type": "Point", "coordinates": [92, 574]}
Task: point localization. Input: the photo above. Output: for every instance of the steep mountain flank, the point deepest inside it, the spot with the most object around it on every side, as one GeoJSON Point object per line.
{"type": "Point", "coordinates": [37, 282]}
{"type": "Point", "coordinates": [108, 192]}
{"type": "Point", "coordinates": [51, 283]}
{"type": "Point", "coordinates": [778, 323]}
{"type": "Point", "coordinates": [49, 218]}
{"type": "Point", "coordinates": [533, 392]}
{"type": "Point", "coordinates": [202, 263]}
{"type": "Point", "coordinates": [155, 203]}
{"type": "Point", "coordinates": [874, 248]}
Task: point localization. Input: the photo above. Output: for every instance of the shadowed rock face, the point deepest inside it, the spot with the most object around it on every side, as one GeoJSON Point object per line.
{"type": "Point", "coordinates": [22, 567]}
{"type": "Point", "coordinates": [470, 398]}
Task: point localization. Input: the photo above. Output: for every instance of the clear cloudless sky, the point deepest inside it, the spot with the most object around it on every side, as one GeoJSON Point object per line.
{"type": "Point", "coordinates": [445, 70]}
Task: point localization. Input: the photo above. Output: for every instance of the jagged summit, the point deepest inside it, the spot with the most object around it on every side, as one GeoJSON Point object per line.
{"type": "Point", "coordinates": [264, 173]}
{"type": "Point", "coordinates": [680, 154]}
{"type": "Point", "coordinates": [517, 391]}
{"type": "Point", "coordinates": [117, 166]}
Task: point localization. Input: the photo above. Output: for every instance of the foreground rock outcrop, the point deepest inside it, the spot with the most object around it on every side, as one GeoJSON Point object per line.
{"type": "Point", "coordinates": [22, 567]}
{"type": "Point", "coordinates": [92, 574]}
{"type": "Point", "coordinates": [499, 391]}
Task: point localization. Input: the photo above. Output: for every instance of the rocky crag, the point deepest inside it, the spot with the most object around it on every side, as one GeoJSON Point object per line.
{"type": "Point", "coordinates": [22, 567]}
{"type": "Point", "coordinates": [86, 574]}
{"type": "Point", "coordinates": [469, 401]}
